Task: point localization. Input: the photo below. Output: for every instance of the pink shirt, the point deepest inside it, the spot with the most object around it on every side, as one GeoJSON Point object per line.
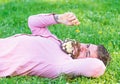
{"type": "Point", "coordinates": [40, 54]}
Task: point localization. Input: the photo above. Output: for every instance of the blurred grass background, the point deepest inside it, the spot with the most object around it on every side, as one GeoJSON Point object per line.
{"type": "Point", "coordinates": [100, 24]}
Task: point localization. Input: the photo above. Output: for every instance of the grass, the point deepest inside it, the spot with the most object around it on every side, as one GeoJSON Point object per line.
{"type": "Point", "coordinates": [100, 24]}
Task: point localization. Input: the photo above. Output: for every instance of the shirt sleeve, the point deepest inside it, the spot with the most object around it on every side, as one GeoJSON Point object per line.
{"type": "Point", "coordinates": [89, 67]}
{"type": "Point", "coordinates": [38, 24]}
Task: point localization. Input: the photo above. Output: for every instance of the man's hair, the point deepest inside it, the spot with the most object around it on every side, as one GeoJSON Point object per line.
{"type": "Point", "coordinates": [103, 54]}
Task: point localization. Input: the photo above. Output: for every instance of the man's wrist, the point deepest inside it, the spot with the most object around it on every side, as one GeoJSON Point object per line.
{"type": "Point", "coordinates": [56, 16]}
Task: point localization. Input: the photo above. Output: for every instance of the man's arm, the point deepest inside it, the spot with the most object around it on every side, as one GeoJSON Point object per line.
{"type": "Point", "coordinates": [89, 67]}
{"type": "Point", "coordinates": [39, 23]}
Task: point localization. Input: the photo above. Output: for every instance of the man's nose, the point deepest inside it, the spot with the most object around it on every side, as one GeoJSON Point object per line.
{"type": "Point", "coordinates": [83, 49]}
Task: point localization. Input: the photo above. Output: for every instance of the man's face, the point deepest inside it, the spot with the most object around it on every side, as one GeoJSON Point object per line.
{"type": "Point", "coordinates": [88, 50]}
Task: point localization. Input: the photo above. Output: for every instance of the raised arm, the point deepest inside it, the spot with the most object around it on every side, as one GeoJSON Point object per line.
{"type": "Point", "coordinates": [39, 23]}
{"type": "Point", "coordinates": [89, 67]}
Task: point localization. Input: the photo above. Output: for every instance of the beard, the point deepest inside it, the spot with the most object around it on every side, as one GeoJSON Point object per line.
{"type": "Point", "coordinates": [71, 47]}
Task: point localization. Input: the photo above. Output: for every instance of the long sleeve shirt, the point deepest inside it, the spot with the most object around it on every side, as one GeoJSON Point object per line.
{"type": "Point", "coordinates": [40, 54]}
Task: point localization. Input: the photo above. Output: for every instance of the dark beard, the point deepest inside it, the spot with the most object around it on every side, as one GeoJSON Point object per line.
{"type": "Point", "coordinates": [75, 46]}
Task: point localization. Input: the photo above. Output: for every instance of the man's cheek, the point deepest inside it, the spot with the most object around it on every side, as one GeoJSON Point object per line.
{"type": "Point", "coordinates": [82, 55]}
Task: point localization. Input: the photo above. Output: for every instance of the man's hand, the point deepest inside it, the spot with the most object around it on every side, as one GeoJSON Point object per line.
{"type": "Point", "coordinates": [68, 18]}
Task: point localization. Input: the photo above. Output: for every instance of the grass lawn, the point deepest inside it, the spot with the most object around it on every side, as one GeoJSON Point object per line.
{"type": "Point", "coordinates": [100, 24]}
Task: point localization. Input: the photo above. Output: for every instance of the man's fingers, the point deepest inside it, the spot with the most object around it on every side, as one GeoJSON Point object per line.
{"type": "Point", "coordinates": [69, 18]}
{"type": "Point", "coordinates": [72, 18]}
{"type": "Point", "coordinates": [75, 22]}
{"type": "Point", "coordinates": [78, 23]}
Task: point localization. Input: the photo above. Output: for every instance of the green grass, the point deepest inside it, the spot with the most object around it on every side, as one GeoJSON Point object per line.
{"type": "Point", "coordinates": [100, 24]}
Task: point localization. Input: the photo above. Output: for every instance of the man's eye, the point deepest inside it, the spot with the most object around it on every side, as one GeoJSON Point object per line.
{"type": "Point", "coordinates": [88, 45]}
{"type": "Point", "coordinates": [86, 54]}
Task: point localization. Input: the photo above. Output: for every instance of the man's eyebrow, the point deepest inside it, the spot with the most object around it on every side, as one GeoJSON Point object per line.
{"type": "Point", "coordinates": [88, 45]}
{"type": "Point", "coordinates": [89, 53]}
{"type": "Point", "coordinates": [89, 50]}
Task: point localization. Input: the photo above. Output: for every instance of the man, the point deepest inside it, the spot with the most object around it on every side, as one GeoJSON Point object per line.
{"type": "Point", "coordinates": [41, 53]}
